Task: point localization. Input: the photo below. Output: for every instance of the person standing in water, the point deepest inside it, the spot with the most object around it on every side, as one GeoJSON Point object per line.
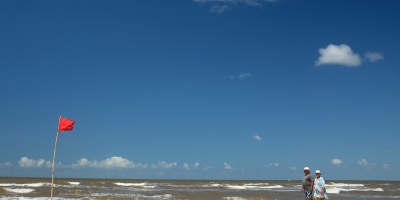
{"type": "Point", "coordinates": [307, 184]}
{"type": "Point", "coordinates": [319, 187]}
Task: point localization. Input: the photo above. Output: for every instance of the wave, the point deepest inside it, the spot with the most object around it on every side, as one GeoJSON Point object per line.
{"type": "Point", "coordinates": [19, 190]}
{"type": "Point", "coordinates": [345, 184]}
{"type": "Point", "coordinates": [131, 196]}
{"type": "Point", "coordinates": [138, 189]}
{"type": "Point", "coordinates": [143, 185]}
{"type": "Point", "coordinates": [23, 185]}
{"type": "Point", "coordinates": [36, 198]}
{"type": "Point", "coordinates": [336, 188]}
{"type": "Point", "coordinates": [252, 187]}
{"type": "Point", "coordinates": [233, 198]}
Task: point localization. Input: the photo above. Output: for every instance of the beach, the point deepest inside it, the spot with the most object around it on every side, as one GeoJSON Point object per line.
{"type": "Point", "coordinates": [64, 188]}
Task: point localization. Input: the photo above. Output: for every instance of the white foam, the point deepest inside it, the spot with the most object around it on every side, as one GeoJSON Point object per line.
{"type": "Point", "coordinates": [74, 183]}
{"type": "Point", "coordinates": [253, 187]}
{"type": "Point", "coordinates": [165, 196]}
{"type": "Point", "coordinates": [131, 184]}
{"type": "Point", "coordinates": [273, 187]}
{"type": "Point", "coordinates": [145, 185]}
{"type": "Point", "coordinates": [336, 190]}
{"type": "Point", "coordinates": [19, 190]}
{"type": "Point", "coordinates": [35, 198]}
{"type": "Point", "coordinates": [234, 198]}
{"type": "Point", "coordinates": [333, 190]}
{"type": "Point", "coordinates": [344, 185]}
{"type": "Point", "coordinates": [258, 184]}
{"type": "Point", "coordinates": [236, 187]}
{"type": "Point", "coordinates": [213, 185]}
{"type": "Point", "coordinates": [263, 187]}
{"type": "Point", "coordinates": [23, 185]}
{"type": "Point", "coordinates": [131, 196]}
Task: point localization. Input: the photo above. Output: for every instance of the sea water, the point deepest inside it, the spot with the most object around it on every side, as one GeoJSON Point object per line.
{"type": "Point", "coordinates": [39, 188]}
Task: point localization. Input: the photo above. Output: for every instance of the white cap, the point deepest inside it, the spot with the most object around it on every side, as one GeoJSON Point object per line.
{"type": "Point", "coordinates": [317, 172]}
{"type": "Point", "coordinates": [306, 168]}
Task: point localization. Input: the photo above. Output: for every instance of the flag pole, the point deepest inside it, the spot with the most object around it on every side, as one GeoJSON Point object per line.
{"type": "Point", "coordinates": [54, 158]}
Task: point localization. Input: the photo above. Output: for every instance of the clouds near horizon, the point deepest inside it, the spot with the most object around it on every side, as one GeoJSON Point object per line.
{"type": "Point", "coordinates": [26, 162]}
{"type": "Point", "coordinates": [272, 165]}
{"type": "Point", "coordinates": [116, 162]}
{"type": "Point", "coordinates": [363, 162]}
{"type": "Point", "coordinates": [227, 166]}
{"type": "Point", "coordinates": [113, 162]}
{"type": "Point", "coordinates": [193, 166]}
{"type": "Point", "coordinates": [6, 164]}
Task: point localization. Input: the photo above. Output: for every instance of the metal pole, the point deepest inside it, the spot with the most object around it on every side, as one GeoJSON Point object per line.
{"type": "Point", "coordinates": [54, 158]}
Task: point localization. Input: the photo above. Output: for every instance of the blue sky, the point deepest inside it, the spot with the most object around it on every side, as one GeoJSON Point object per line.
{"type": "Point", "coordinates": [201, 89]}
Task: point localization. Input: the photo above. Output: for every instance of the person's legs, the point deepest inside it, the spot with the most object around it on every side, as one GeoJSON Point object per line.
{"type": "Point", "coordinates": [308, 194]}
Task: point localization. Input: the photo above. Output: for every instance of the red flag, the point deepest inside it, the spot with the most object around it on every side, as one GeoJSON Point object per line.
{"type": "Point", "coordinates": [66, 124]}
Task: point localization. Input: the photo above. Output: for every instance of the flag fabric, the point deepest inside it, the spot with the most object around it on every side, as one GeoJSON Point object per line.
{"type": "Point", "coordinates": [66, 124]}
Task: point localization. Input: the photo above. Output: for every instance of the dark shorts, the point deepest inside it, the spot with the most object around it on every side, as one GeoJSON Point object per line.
{"type": "Point", "coordinates": [307, 193]}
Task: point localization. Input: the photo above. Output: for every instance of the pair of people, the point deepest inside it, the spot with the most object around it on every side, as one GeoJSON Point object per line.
{"type": "Point", "coordinates": [313, 188]}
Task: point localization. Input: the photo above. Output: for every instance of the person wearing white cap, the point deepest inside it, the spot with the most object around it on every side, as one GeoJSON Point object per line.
{"type": "Point", "coordinates": [307, 184]}
{"type": "Point", "coordinates": [319, 187]}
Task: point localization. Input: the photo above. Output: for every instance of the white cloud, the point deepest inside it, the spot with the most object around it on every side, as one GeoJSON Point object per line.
{"type": "Point", "coordinates": [163, 164]}
{"type": "Point", "coordinates": [116, 162]}
{"type": "Point", "coordinates": [257, 137]}
{"type": "Point", "coordinates": [193, 166]}
{"type": "Point", "coordinates": [227, 166]}
{"type": "Point", "coordinates": [113, 162]}
{"type": "Point", "coordinates": [6, 164]}
{"type": "Point", "coordinates": [83, 162]}
{"type": "Point", "coordinates": [26, 162]}
{"type": "Point", "coordinates": [336, 161]}
{"type": "Point", "coordinates": [244, 76]}
{"type": "Point", "coordinates": [386, 166]}
{"type": "Point", "coordinates": [235, 2]}
{"type": "Point", "coordinates": [241, 76]}
{"type": "Point", "coordinates": [363, 162]}
{"type": "Point", "coordinates": [293, 168]}
{"type": "Point", "coordinates": [373, 56]}
{"type": "Point", "coordinates": [338, 55]}
{"type": "Point", "coordinates": [231, 77]}
{"type": "Point", "coordinates": [272, 165]}
{"type": "Point", "coordinates": [186, 166]}
{"type": "Point", "coordinates": [220, 6]}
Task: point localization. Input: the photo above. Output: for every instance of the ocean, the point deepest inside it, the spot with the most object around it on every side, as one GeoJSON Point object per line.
{"type": "Point", "coordinates": [64, 188]}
